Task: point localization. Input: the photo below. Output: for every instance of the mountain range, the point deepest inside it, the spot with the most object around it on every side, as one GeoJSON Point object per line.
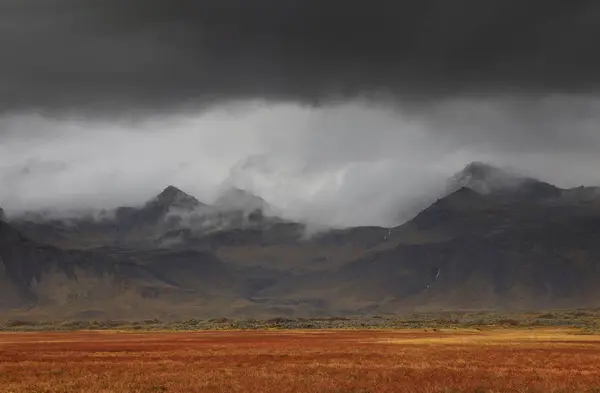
{"type": "Point", "coordinates": [493, 240]}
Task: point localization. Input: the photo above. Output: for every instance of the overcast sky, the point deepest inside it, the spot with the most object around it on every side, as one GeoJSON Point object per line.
{"type": "Point", "coordinates": [345, 113]}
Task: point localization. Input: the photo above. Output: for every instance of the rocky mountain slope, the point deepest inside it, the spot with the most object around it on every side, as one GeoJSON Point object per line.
{"type": "Point", "coordinates": [497, 240]}
{"type": "Point", "coordinates": [51, 281]}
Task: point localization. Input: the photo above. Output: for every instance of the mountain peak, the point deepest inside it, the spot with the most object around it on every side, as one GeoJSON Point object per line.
{"type": "Point", "coordinates": [173, 197]}
{"type": "Point", "coordinates": [485, 178]}
{"type": "Point", "coordinates": [171, 191]}
{"type": "Point", "coordinates": [457, 205]}
{"type": "Point", "coordinates": [488, 179]}
{"type": "Point", "coordinates": [481, 170]}
{"type": "Point", "coordinates": [2, 215]}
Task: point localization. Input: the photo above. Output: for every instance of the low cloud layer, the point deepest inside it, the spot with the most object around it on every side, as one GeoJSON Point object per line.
{"type": "Point", "coordinates": [350, 164]}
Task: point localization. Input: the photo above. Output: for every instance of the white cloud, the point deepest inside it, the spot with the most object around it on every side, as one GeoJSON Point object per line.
{"type": "Point", "coordinates": [345, 165]}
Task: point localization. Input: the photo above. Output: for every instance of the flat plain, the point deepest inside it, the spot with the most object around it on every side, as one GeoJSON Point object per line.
{"type": "Point", "coordinates": [407, 360]}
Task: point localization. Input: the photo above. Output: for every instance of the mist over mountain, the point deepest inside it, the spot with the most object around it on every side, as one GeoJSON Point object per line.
{"type": "Point", "coordinates": [494, 240]}
{"type": "Point", "coordinates": [486, 179]}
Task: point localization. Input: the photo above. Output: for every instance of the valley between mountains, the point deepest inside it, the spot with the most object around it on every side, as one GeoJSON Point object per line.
{"type": "Point", "coordinates": [493, 240]}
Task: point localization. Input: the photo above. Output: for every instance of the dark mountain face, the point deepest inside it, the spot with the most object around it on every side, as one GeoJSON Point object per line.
{"type": "Point", "coordinates": [24, 265]}
{"type": "Point", "coordinates": [109, 281]}
{"type": "Point", "coordinates": [469, 250]}
{"type": "Point", "coordinates": [497, 240]}
{"type": "Point", "coordinates": [490, 252]}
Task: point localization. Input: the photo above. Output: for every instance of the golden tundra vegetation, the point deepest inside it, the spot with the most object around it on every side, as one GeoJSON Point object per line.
{"type": "Point", "coordinates": [479, 359]}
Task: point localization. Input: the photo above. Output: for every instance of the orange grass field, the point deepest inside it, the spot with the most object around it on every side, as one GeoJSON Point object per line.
{"type": "Point", "coordinates": [501, 360]}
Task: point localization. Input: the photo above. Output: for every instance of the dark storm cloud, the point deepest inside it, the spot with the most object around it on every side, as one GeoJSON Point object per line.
{"type": "Point", "coordinates": [111, 56]}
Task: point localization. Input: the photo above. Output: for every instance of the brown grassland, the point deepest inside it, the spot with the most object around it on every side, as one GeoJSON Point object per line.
{"type": "Point", "coordinates": [459, 360]}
